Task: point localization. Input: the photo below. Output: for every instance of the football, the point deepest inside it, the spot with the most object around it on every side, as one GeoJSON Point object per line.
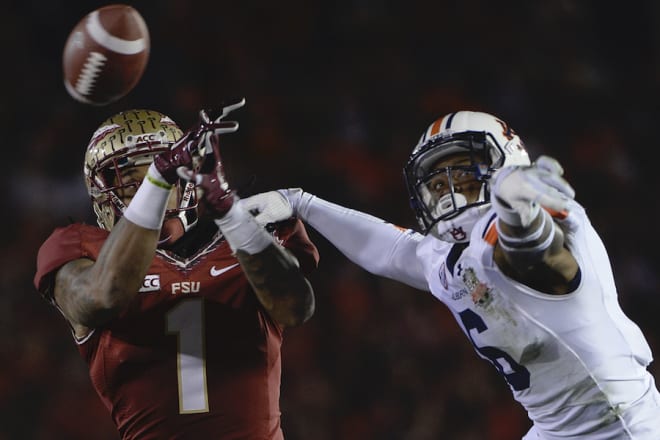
{"type": "Point", "coordinates": [105, 54]}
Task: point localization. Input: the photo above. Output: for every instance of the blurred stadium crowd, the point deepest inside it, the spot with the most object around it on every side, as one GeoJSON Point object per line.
{"type": "Point", "coordinates": [337, 95]}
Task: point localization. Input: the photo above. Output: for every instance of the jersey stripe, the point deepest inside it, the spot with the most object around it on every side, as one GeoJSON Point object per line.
{"type": "Point", "coordinates": [561, 215]}
{"type": "Point", "coordinates": [491, 235]}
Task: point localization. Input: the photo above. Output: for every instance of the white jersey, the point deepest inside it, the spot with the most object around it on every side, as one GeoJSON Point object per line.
{"type": "Point", "coordinates": [575, 362]}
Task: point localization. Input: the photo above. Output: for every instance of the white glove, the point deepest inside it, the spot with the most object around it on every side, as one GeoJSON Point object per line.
{"type": "Point", "coordinates": [295, 197]}
{"type": "Point", "coordinates": [268, 207]}
{"type": "Point", "coordinates": [517, 191]}
{"type": "Point", "coordinates": [275, 206]}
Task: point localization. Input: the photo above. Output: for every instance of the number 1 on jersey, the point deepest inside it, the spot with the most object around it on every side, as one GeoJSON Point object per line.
{"type": "Point", "coordinates": [186, 321]}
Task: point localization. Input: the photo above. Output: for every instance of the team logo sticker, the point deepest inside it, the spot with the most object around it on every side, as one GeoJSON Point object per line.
{"type": "Point", "coordinates": [151, 283]}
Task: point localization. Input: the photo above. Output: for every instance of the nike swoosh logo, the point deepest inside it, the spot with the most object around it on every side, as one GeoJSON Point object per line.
{"type": "Point", "coordinates": [217, 272]}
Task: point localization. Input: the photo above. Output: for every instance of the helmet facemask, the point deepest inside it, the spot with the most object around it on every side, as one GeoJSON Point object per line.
{"type": "Point", "coordinates": [122, 143]}
{"type": "Point", "coordinates": [451, 216]}
{"type": "Point", "coordinates": [488, 142]}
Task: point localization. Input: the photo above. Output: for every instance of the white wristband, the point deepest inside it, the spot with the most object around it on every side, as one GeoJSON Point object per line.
{"type": "Point", "coordinates": [147, 209]}
{"type": "Point", "coordinates": [242, 232]}
{"type": "Point", "coordinates": [530, 243]}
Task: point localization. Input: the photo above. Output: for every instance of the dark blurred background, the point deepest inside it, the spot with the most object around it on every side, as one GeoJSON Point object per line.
{"type": "Point", "coordinates": [337, 94]}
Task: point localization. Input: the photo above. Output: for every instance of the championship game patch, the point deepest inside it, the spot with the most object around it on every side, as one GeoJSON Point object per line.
{"type": "Point", "coordinates": [480, 292]}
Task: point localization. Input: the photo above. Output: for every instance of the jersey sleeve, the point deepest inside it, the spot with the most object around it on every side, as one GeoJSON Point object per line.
{"type": "Point", "coordinates": [293, 236]}
{"type": "Point", "coordinates": [375, 245]}
{"type": "Point", "coordinates": [63, 245]}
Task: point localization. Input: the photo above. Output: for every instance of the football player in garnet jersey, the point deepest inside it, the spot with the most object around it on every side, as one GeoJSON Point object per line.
{"type": "Point", "coordinates": [514, 257]}
{"type": "Point", "coordinates": [179, 299]}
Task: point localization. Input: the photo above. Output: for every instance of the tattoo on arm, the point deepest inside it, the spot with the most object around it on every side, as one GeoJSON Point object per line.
{"type": "Point", "coordinates": [90, 293]}
{"type": "Point", "coordinates": [281, 288]}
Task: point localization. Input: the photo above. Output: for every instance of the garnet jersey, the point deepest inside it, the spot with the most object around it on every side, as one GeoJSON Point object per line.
{"type": "Point", "coordinates": [194, 355]}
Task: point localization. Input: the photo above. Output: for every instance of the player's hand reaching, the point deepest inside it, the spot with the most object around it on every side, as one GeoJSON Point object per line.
{"type": "Point", "coordinates": [276, 206]}
{"type": "Point", "coordinates": [268, 207]}
{"type": "Point", "coordinates": [517, 192]}
{"type": "Point", "coordinates": [196, 141]}
{"type": "Point", "coordinates": [218, 195]}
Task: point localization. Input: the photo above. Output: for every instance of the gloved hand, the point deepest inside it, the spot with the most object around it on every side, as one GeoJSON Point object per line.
{"type": "Point", "coordinates": [218, 196]}
{"type": "Point", "coordinates": [295, 197]}
{"type": "Point", "coordinates": [517, 192]}
{"type": "Point", "coordinates": [195, 141]}
{"type": "Point", "coordinates": [268, 207]}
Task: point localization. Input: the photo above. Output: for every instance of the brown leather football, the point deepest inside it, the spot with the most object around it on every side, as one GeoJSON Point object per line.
{"type": "Point", "coordinates": [106, 54]}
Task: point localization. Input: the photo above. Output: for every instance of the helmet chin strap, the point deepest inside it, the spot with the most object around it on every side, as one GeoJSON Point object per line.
{"type": "Point", "coordinates": [176, 226]}
{"type": "Point", "coordinates": [188, 217]}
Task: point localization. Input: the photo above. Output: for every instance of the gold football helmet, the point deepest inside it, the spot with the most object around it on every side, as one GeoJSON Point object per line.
{"type": "Point", "coordinates": [127, 139]}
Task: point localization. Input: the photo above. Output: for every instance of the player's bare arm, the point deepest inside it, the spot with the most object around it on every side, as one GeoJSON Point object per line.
{"type": "Point", "coordinates": [530, 246]}
{"type": "Point", "coordinates": [271, 270]}
{"type": "Point", "coordinates": [92, 293]}
{"type": "Point", "coordinates": [281, 288]}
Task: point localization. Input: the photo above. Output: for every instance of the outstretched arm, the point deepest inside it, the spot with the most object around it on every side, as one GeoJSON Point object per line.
{"type": "Point", "coordinates": [530, 246]}
{"type": "Point", "coordinates": [273, 272]}
{"type": "Point", "coordinates": [280, 286]}
{"type": "Point", "coordinates": [377, 246]}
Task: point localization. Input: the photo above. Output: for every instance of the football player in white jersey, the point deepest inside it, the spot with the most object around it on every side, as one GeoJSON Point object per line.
{"type": "Point", "coordinates": [511, 253]}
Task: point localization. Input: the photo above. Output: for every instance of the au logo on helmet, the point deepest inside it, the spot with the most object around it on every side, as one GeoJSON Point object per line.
{"type": "Point", "coordinates": [507, 131]}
